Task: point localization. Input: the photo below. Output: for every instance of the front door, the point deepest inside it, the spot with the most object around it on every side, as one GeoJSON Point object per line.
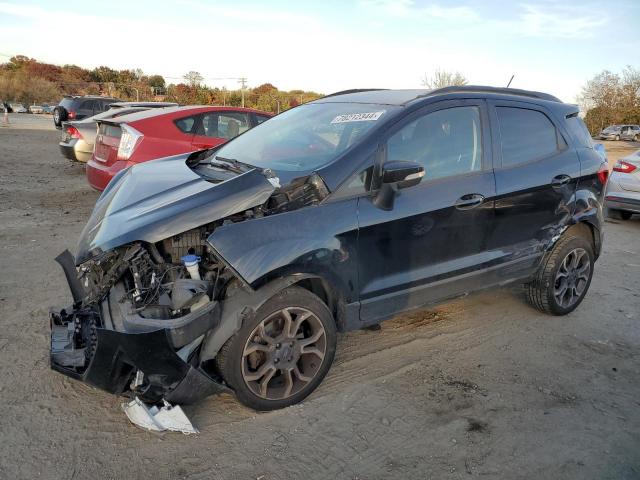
{"type": "Point", "coordinates": [432, 244]}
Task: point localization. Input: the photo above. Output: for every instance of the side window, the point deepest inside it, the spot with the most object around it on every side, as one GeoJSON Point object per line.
{"type": "Point", "coordinates": [526, 135]}
{"type": "Point", "coordinates": [185, 125]}
{"type": "Point", "coordinates": [446, 142]}
{"type": "Point", "coordinates": [261, 118]}
{"type": "Point", "coordinates": [87, 106]}
{"type": "Point", "coordinates": [224, 124]}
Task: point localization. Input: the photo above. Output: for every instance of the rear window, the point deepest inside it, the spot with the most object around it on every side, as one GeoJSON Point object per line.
{"type": "Point", "coordinates": [66, 102]}
{"type": "Point", "coordinates": [109, 130]}
{"type": "Point", "coordinates": [526, 135]}
{"type": "Point", "coordinates": [185, 125]}
{"type": "Point", "coordinates": [579, 130]}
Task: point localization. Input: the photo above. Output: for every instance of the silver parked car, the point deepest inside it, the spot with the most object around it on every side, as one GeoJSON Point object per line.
{"type": "Point", "coordinates": [623, 189]}
{"type": "Point", "coordinates": [630, 132]}
{"type": "Point", "coordinates": [620, 132]}
{"type": "Point", "coordinates": [78, 137]}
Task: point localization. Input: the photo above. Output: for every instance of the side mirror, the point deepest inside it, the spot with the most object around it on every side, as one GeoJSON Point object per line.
{"type": "Point", "coordinates": [396, 175]}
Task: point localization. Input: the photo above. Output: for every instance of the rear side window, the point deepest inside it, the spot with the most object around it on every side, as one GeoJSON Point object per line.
{"type": "Point", "coordinates": [526, 135]}
{"type": "Point", "coordinates": [87, 106]}
{"type": "Point", "coordinates": [185, 125]}
{"type": "Point", "coordinates": [579, 130]}
{"type": "Point", "coordinates": [261, 118]}
{"type": "Point", "coordinates": [223, 124]}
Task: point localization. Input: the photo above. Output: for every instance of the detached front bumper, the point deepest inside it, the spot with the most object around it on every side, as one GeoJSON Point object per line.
{"type": "Point", "coordinates": [142, 360]}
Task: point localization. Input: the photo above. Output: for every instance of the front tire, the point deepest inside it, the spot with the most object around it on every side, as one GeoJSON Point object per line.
{"type": "Point", "coordinates": [282, 354]}
{"type": "Point", "coordinates": [564, 276]}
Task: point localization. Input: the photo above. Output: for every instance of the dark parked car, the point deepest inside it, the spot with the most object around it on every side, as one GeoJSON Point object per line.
{"type": "Point", "coordinates": [78, 137]}
{"type": "Point", "coordinates": [74, 107]}
{"type": "Point", "coordinates": [233, 268]}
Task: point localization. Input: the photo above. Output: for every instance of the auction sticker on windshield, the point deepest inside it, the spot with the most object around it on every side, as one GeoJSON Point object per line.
{"type": "Point", "coordinates": [358, 117]}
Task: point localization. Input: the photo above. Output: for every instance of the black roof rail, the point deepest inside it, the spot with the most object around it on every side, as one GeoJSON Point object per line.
{"type": "Point", "coordinates": [502, 90]}
{"type": "Point", "coordinates": [354, 90]}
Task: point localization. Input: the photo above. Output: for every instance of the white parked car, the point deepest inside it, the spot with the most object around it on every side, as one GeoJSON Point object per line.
{"type": "Point", "coordinates": [623, 188]}
{"type": "Point", "coordinates": [18, 108]}
{"type": "Point", "coordinates": [36, 109]}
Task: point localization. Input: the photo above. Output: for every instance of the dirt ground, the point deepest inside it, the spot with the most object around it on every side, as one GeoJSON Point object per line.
{"type": "Point", "coordinates": [481, 387]}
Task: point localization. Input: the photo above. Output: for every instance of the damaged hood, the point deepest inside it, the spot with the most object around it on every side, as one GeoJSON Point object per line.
{"type": "Point", "coordinates": [156, 200]}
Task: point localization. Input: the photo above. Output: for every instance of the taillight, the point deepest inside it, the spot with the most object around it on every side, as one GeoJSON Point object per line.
{"type": "Point", "coordinates": [71, 115]}
{"type": "Point", "coordinates": [624, 167]}
{"type": "Point", "coordinates": [128, 142]}
{"type": "Point", "coordinates": [603, 174]}
{"type": "Point", "coordinates": [73, 132]}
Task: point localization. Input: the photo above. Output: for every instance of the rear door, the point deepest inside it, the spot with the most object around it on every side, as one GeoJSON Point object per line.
{"type": "Point", "coordinates": [215, 128]}
{"type": "Point", "coordinates": [536, 176]}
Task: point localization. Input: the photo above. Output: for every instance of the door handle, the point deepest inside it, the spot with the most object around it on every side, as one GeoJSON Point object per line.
{"type": "Point", "coordinates": [469, 201]}
{"type": "Point", "coordinates": [560, 180]}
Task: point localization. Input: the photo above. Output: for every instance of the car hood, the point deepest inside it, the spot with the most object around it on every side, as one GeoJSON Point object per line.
{"type": "Point", "coordinates": [156, 200]}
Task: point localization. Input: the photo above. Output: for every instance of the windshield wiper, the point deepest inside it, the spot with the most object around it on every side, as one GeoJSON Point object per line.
{"type": "Point", "coordinates": [230, 164]}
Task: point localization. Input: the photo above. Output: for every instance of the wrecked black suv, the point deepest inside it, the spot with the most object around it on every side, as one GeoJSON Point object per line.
{"type": "Point", "coordinates": [232, 269]}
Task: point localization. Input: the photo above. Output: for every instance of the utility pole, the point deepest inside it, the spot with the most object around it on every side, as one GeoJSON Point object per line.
{"type": "Point", "coordinates": [243, 83]}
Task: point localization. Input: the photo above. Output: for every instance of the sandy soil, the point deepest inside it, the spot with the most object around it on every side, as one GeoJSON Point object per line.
{"type": "Point", "coordinates": [481, 387]}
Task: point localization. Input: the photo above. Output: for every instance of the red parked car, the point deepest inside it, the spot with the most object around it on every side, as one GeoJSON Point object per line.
{"type": "Point", "coordinates": [143, 136]}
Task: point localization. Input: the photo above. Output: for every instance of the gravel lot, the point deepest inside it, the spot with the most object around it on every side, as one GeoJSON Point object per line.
{"type": "Point", "coordinates": [481, 387]}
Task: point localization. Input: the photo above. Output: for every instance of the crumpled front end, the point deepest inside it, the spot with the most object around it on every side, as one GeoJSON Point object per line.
{"type": "Point", "coordinates": [102, 340]}
{"type": "Point", "coordinates": [149, 292]}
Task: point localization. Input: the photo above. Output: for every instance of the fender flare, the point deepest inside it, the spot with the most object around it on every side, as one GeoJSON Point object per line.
{"type": "Point", "coordinates": [241, 307]}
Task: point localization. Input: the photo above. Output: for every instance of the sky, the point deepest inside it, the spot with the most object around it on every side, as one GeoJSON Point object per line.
{"type": "Point", "coordinates": [327, 46]}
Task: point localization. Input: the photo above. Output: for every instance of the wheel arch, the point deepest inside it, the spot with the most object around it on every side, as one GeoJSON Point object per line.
{"type": "Point", "coordinates": [245, 302]}
{"type": "Point", "coordinates": [588, 230]}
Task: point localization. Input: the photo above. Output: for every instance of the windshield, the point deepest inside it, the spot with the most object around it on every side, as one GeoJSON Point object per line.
{"type": "Point", "coordinates": [612, 128]}
{"type": "Point", "coordinates": [304, 138]}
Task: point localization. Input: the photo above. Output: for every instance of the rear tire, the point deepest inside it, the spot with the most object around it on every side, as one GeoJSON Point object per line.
{"type": "Point", "coordinates": [282, 354]}
{"type": "Point", "coordinates": [564, 277]}
{"type": "Point", "coordinates": [618, 214]}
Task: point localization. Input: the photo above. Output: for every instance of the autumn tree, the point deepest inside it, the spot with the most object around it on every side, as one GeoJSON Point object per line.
{"type": "Point", "coordinates": [609, 98]}
{"type": "Point", "coordinates": [194, 79]}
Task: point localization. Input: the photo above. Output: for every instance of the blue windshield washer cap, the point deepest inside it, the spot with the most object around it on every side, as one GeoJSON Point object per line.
{"type": "Point", "coordinates": [190, 259]}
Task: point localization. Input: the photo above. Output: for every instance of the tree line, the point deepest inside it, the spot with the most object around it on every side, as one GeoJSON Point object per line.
{"type": "Point", "coordinates": [29, 81]}
{"type": "Point", "coordinates": [611, 99]}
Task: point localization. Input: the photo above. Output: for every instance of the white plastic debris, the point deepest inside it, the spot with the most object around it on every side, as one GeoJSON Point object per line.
{"type": "Point", "coordinates": [158, 419]}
